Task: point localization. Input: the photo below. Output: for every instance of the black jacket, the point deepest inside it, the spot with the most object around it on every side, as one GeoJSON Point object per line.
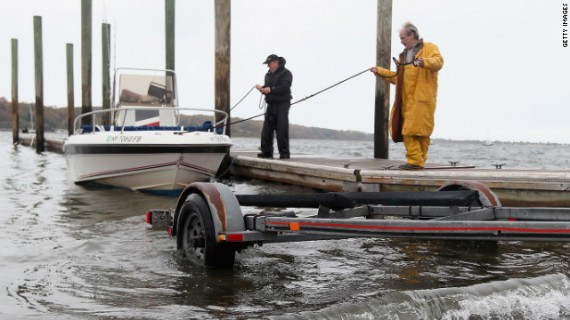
{"type": "Point", "coordinates": [280, 84]}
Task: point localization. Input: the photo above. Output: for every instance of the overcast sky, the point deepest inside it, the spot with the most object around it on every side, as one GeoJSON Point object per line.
{"type": "Point", "coordinates": [506, 74]}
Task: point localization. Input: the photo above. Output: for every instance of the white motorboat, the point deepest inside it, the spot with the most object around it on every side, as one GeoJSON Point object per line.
{"type": "Point", "coordinates": [147, 147]}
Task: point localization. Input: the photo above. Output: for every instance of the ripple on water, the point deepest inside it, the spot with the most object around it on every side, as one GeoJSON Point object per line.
{"type": "Point", "coordinates": [545, 297]}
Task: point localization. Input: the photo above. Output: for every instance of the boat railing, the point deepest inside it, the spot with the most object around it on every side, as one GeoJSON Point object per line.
{"type": "Point", "coordinates": [96, 126]}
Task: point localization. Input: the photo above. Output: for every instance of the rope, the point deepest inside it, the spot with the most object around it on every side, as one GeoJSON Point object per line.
{"type": "Point", "coordinates": [250, 90]}
{"type": "Point", "coordinates": [300, 100]}
{"type": "Point", "coordinates": [262, 103]}
{"type": "Point", "coordinates": [243, 120]}
{"type": "Point", "coordinates": [262, 106]}
{"type": "Point", "coordinates": [330, 87]}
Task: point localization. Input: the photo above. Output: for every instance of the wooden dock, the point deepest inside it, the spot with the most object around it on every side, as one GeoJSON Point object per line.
{"type": "Point", "coordinates": [516, 188]}
{"type": "Point", "coordinates": [520, 188]}
{"type": "Point", "coordinates": [51, 144]}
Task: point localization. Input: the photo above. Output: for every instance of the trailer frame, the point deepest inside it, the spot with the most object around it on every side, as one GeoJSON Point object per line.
{"type": "Point", "coordinates": [219, 225]}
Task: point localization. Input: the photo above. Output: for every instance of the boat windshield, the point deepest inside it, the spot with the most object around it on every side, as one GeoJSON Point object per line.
{"type": "Point", "coordinates": [146, 89]}
{"type": "Point", "coordinates": [138, 89]}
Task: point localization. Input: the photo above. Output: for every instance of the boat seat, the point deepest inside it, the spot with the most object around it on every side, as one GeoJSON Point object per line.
{"type": "Point", "coordinates": [128, 96]}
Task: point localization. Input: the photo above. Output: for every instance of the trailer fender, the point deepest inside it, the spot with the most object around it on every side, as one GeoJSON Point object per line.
{"type": "Point", "coordinates": [486, 196]}
{"type": "Point", "coordinates": [224, 207]}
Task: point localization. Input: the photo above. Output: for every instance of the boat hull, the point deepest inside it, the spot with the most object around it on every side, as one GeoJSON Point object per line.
{"type": "Point", "coordinates": [156, 162]}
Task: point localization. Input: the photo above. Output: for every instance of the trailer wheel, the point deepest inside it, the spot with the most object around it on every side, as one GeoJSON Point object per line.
{"type": "Point", "coordinates": [487, 197]}
{"type": "Point", "coordinates": [196, 236]}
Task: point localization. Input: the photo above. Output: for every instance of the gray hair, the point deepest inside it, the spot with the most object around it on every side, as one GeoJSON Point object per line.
{"type": "Point", "coordinates": [410, 28]}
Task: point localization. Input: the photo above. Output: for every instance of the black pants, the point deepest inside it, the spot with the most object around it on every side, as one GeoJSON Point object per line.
{"type": "Point", "coordinates": [276, 119]}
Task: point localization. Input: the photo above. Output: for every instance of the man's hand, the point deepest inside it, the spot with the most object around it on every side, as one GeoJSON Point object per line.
{"type": "Point", "coordinates": [262, 89]}
{"type": "Point", "coordinates": [419, 62]}
{"type": "Point", "coordinates": [374, 70]}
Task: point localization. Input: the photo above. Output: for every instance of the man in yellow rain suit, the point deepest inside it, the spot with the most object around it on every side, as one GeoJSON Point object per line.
{"type": "Point", "coordinates": [412, 117]}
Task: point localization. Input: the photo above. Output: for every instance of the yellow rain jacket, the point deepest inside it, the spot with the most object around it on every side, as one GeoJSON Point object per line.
{"type": "Point", "coordinates": [419, 91]}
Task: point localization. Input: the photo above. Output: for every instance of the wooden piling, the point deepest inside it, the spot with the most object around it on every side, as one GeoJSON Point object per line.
{"type": "Point", "coordinates": [86, 44]}
{"type": "Point", "coordinates": [169, 19]}
{"type": "Point", "coordinates": [382, 100]}
{"type": "Point", "coordinates": [39, 75]}
{"type": "Point", "coordinates": [222, 57]}
{"type": "Point", "coordinates": [15, 116]}
{"type": "Point", "coordinates": [106, 76]}
{"type": "Point", "coordinates": [70, 89]}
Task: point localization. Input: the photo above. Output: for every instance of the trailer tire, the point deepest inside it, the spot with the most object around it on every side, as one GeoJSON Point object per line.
{"type": "Point", "coordinates": [195, 235]}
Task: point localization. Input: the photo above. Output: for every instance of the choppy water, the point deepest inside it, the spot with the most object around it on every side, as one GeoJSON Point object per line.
{"type": "Point", "coordinates": [68, 252]}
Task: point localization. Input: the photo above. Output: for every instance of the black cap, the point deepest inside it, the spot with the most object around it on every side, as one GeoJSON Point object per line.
{"type": "Point", "coordinates": [271, 57]}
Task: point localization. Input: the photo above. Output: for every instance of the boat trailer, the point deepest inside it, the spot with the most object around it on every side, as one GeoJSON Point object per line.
{"type": "Point", "coordinates": [209, 225]}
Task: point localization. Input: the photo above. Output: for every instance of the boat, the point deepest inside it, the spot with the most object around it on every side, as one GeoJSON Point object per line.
{"type": "Point", "coordinates": [141, 142]}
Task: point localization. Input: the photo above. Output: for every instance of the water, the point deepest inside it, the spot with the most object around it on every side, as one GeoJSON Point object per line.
{"type": "Point", "coordinates": [69, 252]}
{"type": "Point", "coordinates": [511, 154]}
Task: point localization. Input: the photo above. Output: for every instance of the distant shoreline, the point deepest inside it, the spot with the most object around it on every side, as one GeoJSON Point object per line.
{"type": "Point", "coordinates": [56, 119]}
{"type": "Point", "coordinates": [435, 141]}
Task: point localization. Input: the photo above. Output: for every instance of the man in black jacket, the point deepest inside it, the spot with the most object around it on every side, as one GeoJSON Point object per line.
{"type": "Point", "coordinates": [277, 91]}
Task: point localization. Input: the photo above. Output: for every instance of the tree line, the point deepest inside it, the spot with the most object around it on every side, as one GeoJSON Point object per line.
{"type": "Point", "coordinates": [56, 119]}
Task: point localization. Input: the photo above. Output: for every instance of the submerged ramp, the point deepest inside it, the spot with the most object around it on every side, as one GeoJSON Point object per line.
{"type": "Point", "coordinates": [520, 188]}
